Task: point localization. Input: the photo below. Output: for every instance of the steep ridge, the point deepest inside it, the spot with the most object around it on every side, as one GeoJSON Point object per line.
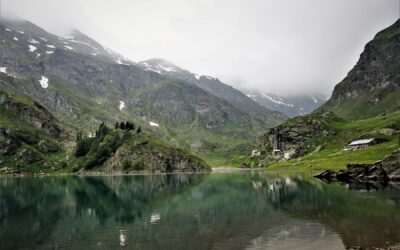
{"type": "Point", "coordinates": [372, 86]}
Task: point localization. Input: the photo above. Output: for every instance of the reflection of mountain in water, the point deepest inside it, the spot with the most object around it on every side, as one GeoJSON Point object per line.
{"type": "Point", "coordinates": [218, 211]}
{"type": "Point", "coordinates": [366, 216]}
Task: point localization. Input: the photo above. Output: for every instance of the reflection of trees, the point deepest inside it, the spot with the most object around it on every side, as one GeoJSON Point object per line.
{"type": "Point", "coordinates": [30, 208]}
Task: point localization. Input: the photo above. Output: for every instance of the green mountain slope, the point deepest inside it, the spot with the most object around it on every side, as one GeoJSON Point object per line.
{"type": "Point", "coordinates": [30, 137]}
{"type": "Point", "coordinates": [33, 140]}
{"type": "Point", "coordinates": [372, 87]}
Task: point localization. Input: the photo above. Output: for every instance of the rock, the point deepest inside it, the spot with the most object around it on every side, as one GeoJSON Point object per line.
{"type": "Point", "coordinates": [47, 147]}
{"type": "Point", "coordinates": [293, 138]}
{"type": "Point", "coordinates": [290, 154]}
{"type": "Point", "coordinates": [8, 142]}
{"type": "Point", "coordinates": [318, 149]}
{"type": "Point", "coordinates": [382, 171]}
{"type": "Point", "coordinates": [28, 156]}
{"type": "Point", "coordinates": [326, 175]}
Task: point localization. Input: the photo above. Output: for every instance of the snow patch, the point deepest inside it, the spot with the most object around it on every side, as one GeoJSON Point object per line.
{"type": "Point", "coordinates": [49, 52]}
{"type": "Point", "coordinates": [68, 47]}
{"type": "Point", "coordinates": [9, 30]}
{"type": "Point", "coordinates": [44, 82]}
{"type": "Point", "coordinates": [94, 54]}
{"type": "Point", "coordinates": [16, 39]}
{"type": "Point", "coordinates": [314, 99]}
{"type": "Point", "coordinates": [153, 124]}
{"type": "Point", "coordinates": [3, 70]}
{"type": "Point", "coordinates": [197, 76]}
{"type": "Point", "coordinates": [50, 46]}
{"type": "Point", "coordinates": [32, 48]}
{"type": "Point", "coordinates": [276, 101]}
{"type": "Point", "coordinates": [43, 39]}
{"type": "Point", "coordinates": [21, 32]}
{"type": "Point", "coordinates": [168, 69]}
{"type": "Point", "coordinates": [119, 61]}
{"type": "Point", "coordinates": [34, 41]}
{"type": "Point", "coordinates": [121, 105]}
{"type": "Point", "coordinates": [38, 55]}
{"type": "Point", "coordinates": [89, 45]}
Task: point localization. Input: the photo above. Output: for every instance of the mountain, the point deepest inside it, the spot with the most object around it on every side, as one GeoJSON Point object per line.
{"type": "Point", "coordinates": [290, 106]}
{"type": "Point", "coordinates": [365, 105]}
{"type": "Point", "coordinates": [211, 85]}
{"type": "Point", "coordinates": [372, 86]}
{"type": "Point", "coordinates": [84, 84]}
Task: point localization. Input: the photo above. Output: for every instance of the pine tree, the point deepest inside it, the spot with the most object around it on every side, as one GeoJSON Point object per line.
{"type": "Point", "coordinates": [122, 125]}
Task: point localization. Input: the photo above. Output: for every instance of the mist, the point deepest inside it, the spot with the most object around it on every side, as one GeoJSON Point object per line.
{"type": "Point", "coordinates": [279, 46]}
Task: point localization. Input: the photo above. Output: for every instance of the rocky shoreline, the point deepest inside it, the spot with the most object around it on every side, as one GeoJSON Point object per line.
{"type": "Point", "coordinates": [382, 171]}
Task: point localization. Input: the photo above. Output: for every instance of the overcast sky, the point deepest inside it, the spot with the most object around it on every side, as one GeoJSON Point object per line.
{"type": "Point", "coordinates": [280, 46]}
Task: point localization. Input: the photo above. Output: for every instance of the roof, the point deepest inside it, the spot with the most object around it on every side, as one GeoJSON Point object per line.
{"type": "Point", "coordinates": [360, 142]}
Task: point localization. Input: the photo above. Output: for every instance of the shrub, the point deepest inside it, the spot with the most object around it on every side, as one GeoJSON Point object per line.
{"type": "Point", "coordinates": [138, 165]}
{"type": "Point", "coordinates": [126, 165]}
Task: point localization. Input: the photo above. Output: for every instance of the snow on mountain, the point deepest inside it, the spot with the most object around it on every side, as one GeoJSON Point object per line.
{"type": "Point", "coordinates": [291, 105]}
{"type": "Point", "coordinates": [32, 48]}
{"type": "Point", "coordinates": [44, 82]}
{"type": "Point", "coordinates": [121, 105]}
{"type": "Point", "coordinates": [160, 66]}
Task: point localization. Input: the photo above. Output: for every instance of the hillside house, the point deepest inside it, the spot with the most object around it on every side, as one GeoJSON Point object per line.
{"type": "Point", "coordinates": [361, 144]}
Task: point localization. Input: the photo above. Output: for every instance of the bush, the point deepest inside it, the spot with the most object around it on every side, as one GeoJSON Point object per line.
{"type": "Point", "coordinates": [138, 165]}
{"type": "Point", "coordinates": [126, 165]}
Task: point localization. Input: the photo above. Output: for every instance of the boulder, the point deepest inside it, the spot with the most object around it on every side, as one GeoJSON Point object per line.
{"type": "Point", "coordinates": [381, 171]}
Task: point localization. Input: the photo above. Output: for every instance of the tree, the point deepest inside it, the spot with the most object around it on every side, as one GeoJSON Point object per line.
{"type": "Point", "coordinates": [122, 125]}
{"type": "Point", "coordinates": [139, 130]}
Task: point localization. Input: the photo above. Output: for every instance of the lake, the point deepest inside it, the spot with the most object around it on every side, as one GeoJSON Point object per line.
{"type": "Point", "coordinates": [232, 210]}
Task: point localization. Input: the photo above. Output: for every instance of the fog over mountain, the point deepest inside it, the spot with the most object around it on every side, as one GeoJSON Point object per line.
{"type": "Point", "coordinates": [282, 47]}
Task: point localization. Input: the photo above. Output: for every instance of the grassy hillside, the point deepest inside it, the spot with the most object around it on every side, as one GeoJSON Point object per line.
{"type": "Point", "coordinates": [332, 156]}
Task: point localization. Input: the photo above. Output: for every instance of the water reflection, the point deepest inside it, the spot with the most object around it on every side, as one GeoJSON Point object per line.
{"type": "Point", "coordinates": [251, 210]}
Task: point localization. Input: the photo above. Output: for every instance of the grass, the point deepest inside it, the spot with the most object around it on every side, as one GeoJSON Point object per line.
{"type": "Point", "coordinates": [332, 156]}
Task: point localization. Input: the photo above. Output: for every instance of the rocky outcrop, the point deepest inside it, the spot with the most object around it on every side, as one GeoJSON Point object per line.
{"type": "Point", "coordinates": [148, 157]}
{"type": "Point", "coordinates": [294, 138]}
{"type": "Point", "coordinates": [30, 112]}
{"type": "Point", "coordinates": [28, 133]}
{"type": "Point", "coordinates": [386, 170]}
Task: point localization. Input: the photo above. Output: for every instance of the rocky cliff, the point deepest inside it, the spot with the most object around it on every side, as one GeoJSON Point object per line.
{"type": "Point", "coordinates": [29, 134]}
{"type": "Point", "coordinates": [296, 137]}
{"type": "Point", "coordinates": [372, 86]}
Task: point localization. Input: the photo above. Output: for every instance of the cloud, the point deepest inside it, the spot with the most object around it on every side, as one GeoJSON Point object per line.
{"type": "Point", "coordinates": [280, 46]}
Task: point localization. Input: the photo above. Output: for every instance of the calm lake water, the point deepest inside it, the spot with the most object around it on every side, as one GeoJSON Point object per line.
{"type": "Point", "coordinates": [237, 210]}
